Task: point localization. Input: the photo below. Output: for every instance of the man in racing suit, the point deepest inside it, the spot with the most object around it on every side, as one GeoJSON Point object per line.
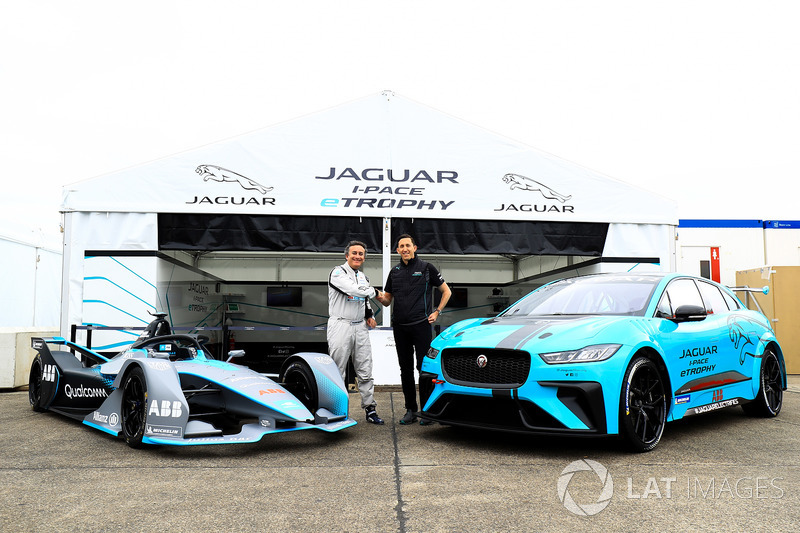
{"type": "Point", "coordinates": [350, 314]}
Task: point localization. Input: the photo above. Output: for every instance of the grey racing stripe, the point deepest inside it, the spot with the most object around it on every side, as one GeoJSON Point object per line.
{"type": "Point", "coordinates": [523, 335]}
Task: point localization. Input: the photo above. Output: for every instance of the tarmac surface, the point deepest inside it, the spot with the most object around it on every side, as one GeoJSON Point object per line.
{"type": "Point", "coordinates": [714, 472]}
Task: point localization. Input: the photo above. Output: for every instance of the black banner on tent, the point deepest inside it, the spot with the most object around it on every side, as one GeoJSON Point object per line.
{"type": "Point", "coordinates": [265, 233]}
{"type": "Point", "coordinates": [435, 236]}
{"type": "Point", "coordinates": [208, 232]}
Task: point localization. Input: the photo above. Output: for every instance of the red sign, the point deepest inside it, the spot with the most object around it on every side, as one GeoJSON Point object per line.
{"type": "Point", "coordinates": [715, 264]}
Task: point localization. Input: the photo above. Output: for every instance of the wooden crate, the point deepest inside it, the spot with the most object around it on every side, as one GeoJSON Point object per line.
{"type": "Point", "coordinates": [781, 305]}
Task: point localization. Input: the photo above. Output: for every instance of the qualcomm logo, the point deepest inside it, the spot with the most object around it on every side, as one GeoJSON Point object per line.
{"type": "Point", "coordinates": [586, 509]}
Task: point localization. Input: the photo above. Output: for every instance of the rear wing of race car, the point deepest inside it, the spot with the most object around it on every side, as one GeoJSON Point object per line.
{"type": "Point", "coordinates": [87, 356]}
{"type": "Point", "coordinates": [747, 291]}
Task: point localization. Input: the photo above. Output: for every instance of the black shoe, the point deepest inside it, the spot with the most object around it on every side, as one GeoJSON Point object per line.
{"type": "Point", "coordinates": [408, 418]}
{"type": "Point", "coordinates": [373, 418]}
{"type": "Point", "coordinates": [425, 422]}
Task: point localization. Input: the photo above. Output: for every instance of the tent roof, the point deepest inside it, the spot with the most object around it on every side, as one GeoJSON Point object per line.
{"type": "Point", "coordinates": [380, 156]}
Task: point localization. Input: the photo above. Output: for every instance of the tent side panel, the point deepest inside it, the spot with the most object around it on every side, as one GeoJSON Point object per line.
{"type": "Point", "coordinates": [97, 231]}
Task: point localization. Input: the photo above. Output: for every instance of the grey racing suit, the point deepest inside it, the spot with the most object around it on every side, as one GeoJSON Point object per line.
{"type": "Point", "coordinates": [348, 336]}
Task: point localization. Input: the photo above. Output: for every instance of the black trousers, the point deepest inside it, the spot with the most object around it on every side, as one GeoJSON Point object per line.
{"type": "Point", "coordinates": [408, 341]}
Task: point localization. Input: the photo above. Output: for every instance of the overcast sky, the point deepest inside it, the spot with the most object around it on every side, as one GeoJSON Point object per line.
{"type": "Point", "coordinates": [695, 100]}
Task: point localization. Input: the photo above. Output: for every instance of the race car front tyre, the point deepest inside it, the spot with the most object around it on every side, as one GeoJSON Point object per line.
{"type": "Point", "coordinates": [298, 378]}
{"type": "Point", "coordinates": [769, 400]}
{"type": "Point", "coordinates": [643, 405]}
{"type": "Point", "coordinates": [35, 385]}
{"type": "Point", "coordinates": [134, 407]}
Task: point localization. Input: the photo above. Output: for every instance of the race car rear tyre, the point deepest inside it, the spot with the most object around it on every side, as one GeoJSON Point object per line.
{"type": "Point", "coordinates": [35, 385]}
{"type": "Point", "coordinates": [134, 407]}
{"type": "Point", "coordinates": [298, 378]}
{"type": "Point", "coordinates": [643, 405]}
{"type": "Point", "coordinates": [769, 400]}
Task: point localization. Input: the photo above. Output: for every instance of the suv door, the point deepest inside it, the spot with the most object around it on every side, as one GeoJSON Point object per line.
{"type": "Point", "coordinates": [691, 341]}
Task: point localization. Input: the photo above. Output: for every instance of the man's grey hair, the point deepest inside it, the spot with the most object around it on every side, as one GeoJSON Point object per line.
{"type": "Point", "coordinates": [355, 243]}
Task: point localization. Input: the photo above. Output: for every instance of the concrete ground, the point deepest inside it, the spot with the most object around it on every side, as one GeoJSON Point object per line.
{"type": "Point", "coordinates": [715, 472]}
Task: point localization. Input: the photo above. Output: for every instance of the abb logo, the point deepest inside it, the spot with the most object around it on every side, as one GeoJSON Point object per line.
{"type": "Point", "coordinates": [717, 397]}
{"type": "Point", "coordinates": [49, 373]}
{"type": "Point", "coordinates": [262, 392]}
{"type": "Point", "coordinates": [168, 408]}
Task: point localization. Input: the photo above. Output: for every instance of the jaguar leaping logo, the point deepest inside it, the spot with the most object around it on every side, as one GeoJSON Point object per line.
{"type": "Point", "coordinates": [744, 340]}
{"type": "Point", "coordinates": [215, 173]}
{"type": "Point", "coordinates": [526, 184]}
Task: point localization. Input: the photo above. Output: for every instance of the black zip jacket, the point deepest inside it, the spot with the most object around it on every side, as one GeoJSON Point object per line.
{"type": "Point", "coordinates": [411, 288]}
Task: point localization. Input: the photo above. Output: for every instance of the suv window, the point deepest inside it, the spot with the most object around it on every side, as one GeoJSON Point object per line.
{"type": "Point", "coordinates": [683, 292]}
{"type": "Point", "coordinates": [712, 296]}
{"type": "Point", "coordinates": [664, 309]}
{"type": "Point", "coordinates": [732, 302]}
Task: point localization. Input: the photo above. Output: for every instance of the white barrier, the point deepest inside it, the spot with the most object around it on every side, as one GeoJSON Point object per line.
{"type": "Point", "coordinates": [385, 368]}
{"type": "Point", "coordinates": [16, 354]}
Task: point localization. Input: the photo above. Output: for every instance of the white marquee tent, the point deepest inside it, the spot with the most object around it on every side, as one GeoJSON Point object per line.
{"type": "Point", "coordinates": [373, 167]}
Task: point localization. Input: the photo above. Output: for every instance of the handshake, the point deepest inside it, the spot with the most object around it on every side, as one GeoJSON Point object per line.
{"type": "Point", "coordinates": [384, 298]}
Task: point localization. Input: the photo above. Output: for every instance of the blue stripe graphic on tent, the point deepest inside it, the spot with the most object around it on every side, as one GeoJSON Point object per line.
{"type": "Point", "coordinates": [119, 287]}
{"type": "Point", "coordinates": [126, 332]}
{"type": "Point", "coordinates": [115, 307]}
{"type": "Point", "coordinates": [125, 267]}
{"type": "Point", "coordinates": [131, 271]}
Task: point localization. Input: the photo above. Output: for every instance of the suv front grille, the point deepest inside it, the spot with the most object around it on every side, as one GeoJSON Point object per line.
{"type": "Point", "coordinates": [503, 369]}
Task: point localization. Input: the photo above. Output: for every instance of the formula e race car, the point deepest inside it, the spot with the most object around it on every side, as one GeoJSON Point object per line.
{"type": "Point", "coordinates": [608, 354]}
{"type": "Point", "coordinates": [165, 389]}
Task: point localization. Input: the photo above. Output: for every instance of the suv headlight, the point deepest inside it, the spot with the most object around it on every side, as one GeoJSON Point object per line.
{"type": "Point", "coordinates": [590, 354]}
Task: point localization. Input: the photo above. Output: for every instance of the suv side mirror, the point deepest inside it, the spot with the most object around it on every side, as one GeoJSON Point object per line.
{"type": "Point", "coordinates": [690, 313]}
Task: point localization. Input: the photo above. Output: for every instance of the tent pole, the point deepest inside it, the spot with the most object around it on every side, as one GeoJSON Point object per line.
{"type": "Point", "coordinates": [386, 257]}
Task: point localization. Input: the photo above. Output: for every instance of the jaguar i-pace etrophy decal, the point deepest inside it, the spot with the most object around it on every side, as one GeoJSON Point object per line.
{"type": "Point", "coordinates": [527, 184]}
{"type": "Point", "coordinates": [215, 173]}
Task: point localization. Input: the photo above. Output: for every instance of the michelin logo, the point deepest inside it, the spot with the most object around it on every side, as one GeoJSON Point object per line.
{"type": "Point", "coordinates": [164, 431]}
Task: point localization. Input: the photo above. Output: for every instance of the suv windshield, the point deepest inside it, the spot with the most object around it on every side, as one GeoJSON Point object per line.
{"type": "Point", "coordinates": [592, 295]}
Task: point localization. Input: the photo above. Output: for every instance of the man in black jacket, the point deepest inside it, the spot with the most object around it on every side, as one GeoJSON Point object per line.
{"type": "Point", "coordinates": [409, 285]}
